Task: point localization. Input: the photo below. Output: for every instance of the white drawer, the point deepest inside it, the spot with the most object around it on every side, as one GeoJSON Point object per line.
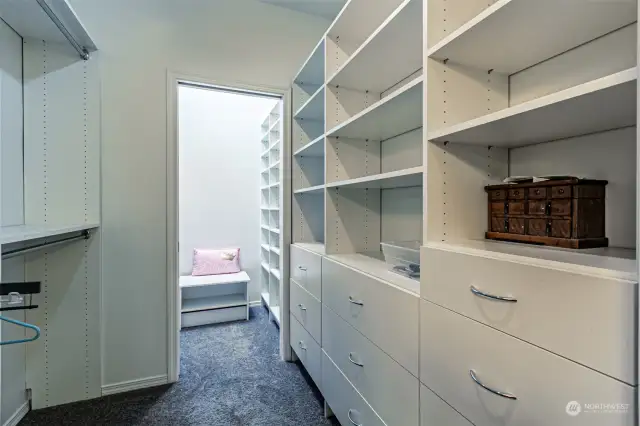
{"type": "Point", "coordinates": [386, 315]}
{"type": "Point", "coordinates": [306, 270]}
{"type": "Point", "coordinates": [435, 412]}
{"type": "Point", "coordinates": [345, 402]}
{"type": "Point", "coordinates": [543, 383]}
{"type": "Point", "coordinates": [371, 371]}
{"type": "Point", "coordinates": [308, 351]}
{"type": "Point", "coordinates": [307, 310]}
{"type": "Point", "coordinates": [584, 318]}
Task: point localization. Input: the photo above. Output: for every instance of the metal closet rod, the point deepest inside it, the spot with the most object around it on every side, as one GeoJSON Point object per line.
{"type": "Point", "coordinates": [18, 252]}
{"type": "Point", "coordinates": [82, 51]}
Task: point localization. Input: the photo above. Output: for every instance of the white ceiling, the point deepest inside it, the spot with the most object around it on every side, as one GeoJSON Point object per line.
{"type": "Point", "coordinates": [325, 8]}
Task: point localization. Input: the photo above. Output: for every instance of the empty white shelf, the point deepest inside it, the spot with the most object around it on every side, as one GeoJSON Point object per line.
{"type": "Point", "coordinates": [603, 104]}
{"type": "Point", "coordinates": [608, 262]}
{"type": "Point", "coordinates": [314, 247]}
{"type": "Point", "coordinates": [275, 272]}
{"type": "Point", "coordinates": [274, 230]}
{"type": "Point", "coordinates": [187, 281]}
{"type": "Point", "coordinates": [21, 233]}
{"type": "Point", "coordinates": [214, 302]}
{"type": "Point", "coordinates": [373, 264]}
{"type": "Point", "coordinates": [315, 148]}
{"type": "Point", "coordinates": [275, 165]}
{"type": "Point", "coordinates": [397, 179]}
{"type": "Point", "coordinates": [392, 53]}
{"type": "Point", "coordinates": [275, 311]}
{"type": "Point", "coordinates": [312, 71]}
{"type": "Point", "coordinates": [265, 246]}
{"type": "Point", "coordinates": [511, 35]}
{"type": "Point", "coordinates": [318, 189]}
{"type": "Point", "coordinates": [393, 115]}
{"type": "Point", "coordinates": [313, 109]}
{"type": "Point", "coordinates": [276, 250]}
{"type": "Point", "coordinates": [265, 266]}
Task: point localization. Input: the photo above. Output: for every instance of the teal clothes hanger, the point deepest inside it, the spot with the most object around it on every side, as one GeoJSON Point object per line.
{"type": "Point", "coordinates": [21, 324]}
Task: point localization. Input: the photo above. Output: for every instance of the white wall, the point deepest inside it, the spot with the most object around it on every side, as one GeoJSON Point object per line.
{"type": "Point", "coordinates": [228, 40]}
{"type": "Point", "coordinates": [219, 162]}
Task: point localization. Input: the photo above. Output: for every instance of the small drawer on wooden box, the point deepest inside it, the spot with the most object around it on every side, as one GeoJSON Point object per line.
{"type": "Point", "coordinates": [498, 194]}
{"type": "Point", "coordinates": [561, 191]}
{"type": "Point", "coordinates": [516, 225]}
{"type": "Point", "coordinates": [516, 194]}
{"type": "Point", "coordinates": [550, 208]}
{"type": "Point", "coordinates": [537, 193]}
{"type": "Point", "coordinates": [516, 207]}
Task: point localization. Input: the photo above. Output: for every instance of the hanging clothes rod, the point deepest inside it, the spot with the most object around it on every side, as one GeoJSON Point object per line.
{"type": "Point", "coordinates": [18, 252]}
{"type": "Point", "coordinates": [82, 51]}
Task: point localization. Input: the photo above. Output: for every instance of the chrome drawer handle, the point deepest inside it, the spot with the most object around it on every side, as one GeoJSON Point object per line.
{"type": "Point", "coordinates": [302, 268]}
{"type": "Point", "coordinates": [355, 302]}
{"type": "Point", "coordinates": [479, 293]}
{"type": "Point", "coordinates": [302, 346]}
{"type": "Point", "coordinates": [496, 392]}
{"type": "Point", "coordinates": [351, 420]}
{"type": "Point", "coordinates": [354, 361]}
{"type": "Point", "coordinates": [301, 306]}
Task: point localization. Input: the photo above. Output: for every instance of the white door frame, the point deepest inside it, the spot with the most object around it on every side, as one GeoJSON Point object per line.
{"type": "Point", "coordinates": [173, 295]}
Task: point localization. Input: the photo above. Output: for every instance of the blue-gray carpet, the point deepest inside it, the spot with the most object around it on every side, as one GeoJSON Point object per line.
{"type": "Point", "coordinates": [230, 374]}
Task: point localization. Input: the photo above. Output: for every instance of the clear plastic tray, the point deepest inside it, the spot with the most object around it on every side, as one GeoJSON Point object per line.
{"type": "Point", "coordinates": [403, 257]}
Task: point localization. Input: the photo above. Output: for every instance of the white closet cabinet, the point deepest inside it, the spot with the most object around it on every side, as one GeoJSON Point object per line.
{"type": "Point", "coordinates": [50, 191]}
{"type": "Point", "coordinates": [397, 129]}
{"type": "Point", "coordinates": [518, 334]}
{"type": "Point", "coordinates": [357, 181]}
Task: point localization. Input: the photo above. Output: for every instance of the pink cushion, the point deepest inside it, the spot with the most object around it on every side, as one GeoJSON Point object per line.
{"type": "Point", "coordinates": [215, 262]}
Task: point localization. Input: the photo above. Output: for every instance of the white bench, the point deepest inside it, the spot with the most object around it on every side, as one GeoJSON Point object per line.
{"type": "Point", "coordinates": [211, 299]}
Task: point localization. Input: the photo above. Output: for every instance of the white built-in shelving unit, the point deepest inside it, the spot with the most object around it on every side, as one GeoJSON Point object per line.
{"type": "Point", "coordinates": [271, 211]}
{"type": "Point", "coordinates": [357, 132]}
{"type": "Point", "coordinates": [50, 203]}
{"type": "Point", "coordinates": [426, 102]}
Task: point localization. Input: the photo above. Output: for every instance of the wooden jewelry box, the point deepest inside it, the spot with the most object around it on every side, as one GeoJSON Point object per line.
{"type": "Point", "coordinates": [565, 213]}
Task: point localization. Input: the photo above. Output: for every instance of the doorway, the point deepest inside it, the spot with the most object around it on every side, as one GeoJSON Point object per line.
{"type": "Point", "coordinates": [214, 189]}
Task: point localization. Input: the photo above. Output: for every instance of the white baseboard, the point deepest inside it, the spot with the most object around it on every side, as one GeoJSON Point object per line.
{"type": "Point", "coordinates": [131, 385]}
{"type": "Point", "coordinates": [18, 415]}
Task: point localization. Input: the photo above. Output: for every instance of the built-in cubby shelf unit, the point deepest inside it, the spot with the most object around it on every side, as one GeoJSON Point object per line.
{"type": "Point", "coordinates": [271, 211]}
{"type": "Point", "coordinates": [357, 139]}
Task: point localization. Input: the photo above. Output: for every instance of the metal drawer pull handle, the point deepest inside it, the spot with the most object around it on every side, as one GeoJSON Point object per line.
{"type": "Point", "coordinates": [301, 306]}
{"type": "Point", "coordinates": [492, 296]}
{"type": "Point", "coordinates": [350, 419]}
{"type": "Point", "coordinates": [355, 302]}
{"type": "Point", "coordinates": [302, 346]}
{"type": "Point", "coordinates": [353, 361]}
{"type": "Point", "coordinates": [496, 392]}
{"type": "Point", "coordinates": [302, 268]}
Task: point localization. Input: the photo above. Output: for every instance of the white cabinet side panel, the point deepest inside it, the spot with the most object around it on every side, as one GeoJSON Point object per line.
{"type": "Point", "coordinates": [456, 203]}
{"type": "Point", "coordinates": [351, 158]}
{"type": "Point", "coordinates": [64, 364]}
{"type": "Point", "coordinates": [446, 16]}
{"type": "Point", "coordinates": [603, 56]}
{"type": "Point", "coordinates": [353, 220]}
{"type": "Point", "coordinates": [610, 156]}
{"type": "Point", "coordinates": [11, 130]}
{"type": "Point", "coordinates": [62, 135]}
{"type": "Point", "coordinates": [456, 93]}
{"type": "Point", "coordinates": [62, 185]}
